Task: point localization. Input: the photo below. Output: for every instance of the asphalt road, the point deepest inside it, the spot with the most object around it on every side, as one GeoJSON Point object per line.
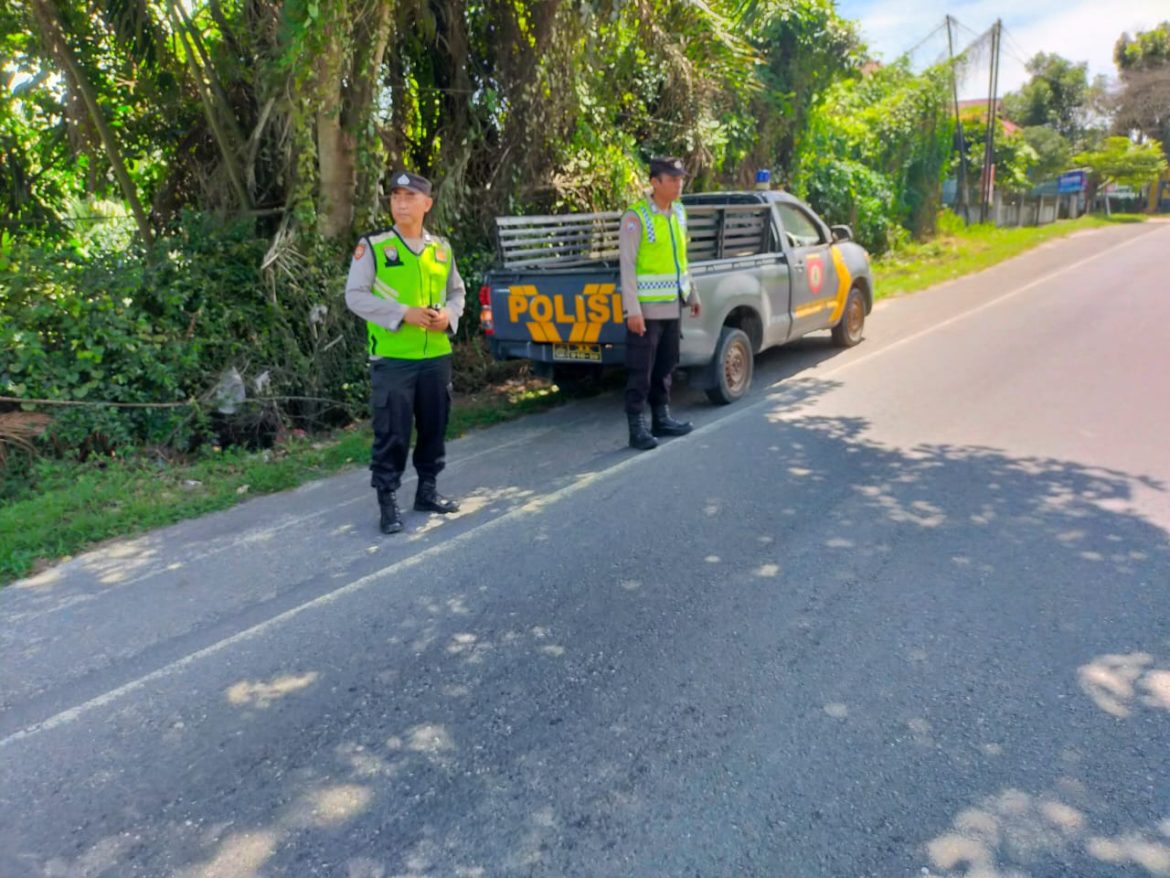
{"type": "Point", "coordinates": [904, 611]}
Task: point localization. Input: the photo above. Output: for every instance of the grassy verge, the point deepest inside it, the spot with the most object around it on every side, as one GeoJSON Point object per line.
{"type": "Point", "coordinates": [74, 506]}
{"type": "Point", "coordinates": [959, 250]}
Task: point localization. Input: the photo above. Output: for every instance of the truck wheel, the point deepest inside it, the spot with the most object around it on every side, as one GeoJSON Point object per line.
{"type": "Point", "coordinates": [850, 327]}
{"type": "Point", "coordinates": [733, 365]}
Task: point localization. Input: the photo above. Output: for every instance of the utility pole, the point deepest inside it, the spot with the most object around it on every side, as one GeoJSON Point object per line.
{"type": "Point", "coordinates": [961, 189]}
{"type": "Point", "coordinates": [989, 152]}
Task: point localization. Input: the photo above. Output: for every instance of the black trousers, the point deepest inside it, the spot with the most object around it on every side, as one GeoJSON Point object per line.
{"type": "Point", "coordinates": [650, 360]}
{"type": "Point", "coordinates": [406, 393]}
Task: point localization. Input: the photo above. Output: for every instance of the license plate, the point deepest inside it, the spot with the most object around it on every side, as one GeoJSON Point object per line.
{"type": "Point", "coordinates": [580, 353]}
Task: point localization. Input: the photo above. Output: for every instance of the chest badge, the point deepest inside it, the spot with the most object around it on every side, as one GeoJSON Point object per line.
{"type": "Point", "coordinates": [440, 254]}
{"type": "Point", "coordinates": [390, 255]}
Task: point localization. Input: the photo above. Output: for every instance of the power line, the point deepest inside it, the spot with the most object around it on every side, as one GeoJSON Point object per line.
{"type": "Point", "coordinates": [976, 42]}
{"type": "Point", "coordinates": [937, 30]}
{"type": "Point", "coordinates": [975, 35]}
{"type": "Point", "coordinates": [1018, 48]}
{"type": "Point", "coordinates": [1038, 74]}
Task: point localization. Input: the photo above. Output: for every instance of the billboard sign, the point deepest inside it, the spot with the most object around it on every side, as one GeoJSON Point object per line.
{"type": "Point", "coordinates": [1070, 182]}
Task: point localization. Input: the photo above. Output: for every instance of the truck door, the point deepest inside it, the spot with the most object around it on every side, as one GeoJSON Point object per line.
{"type": "Point", "coordinates": [814, 276]}
{"type": "Point", "coordinates": [775, 280]}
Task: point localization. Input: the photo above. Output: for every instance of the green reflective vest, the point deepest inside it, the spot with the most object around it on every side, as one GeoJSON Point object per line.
{"type": "Point", "coordinates": [662, 255]}
{"type": "Point", "coordinates": [412, 280]}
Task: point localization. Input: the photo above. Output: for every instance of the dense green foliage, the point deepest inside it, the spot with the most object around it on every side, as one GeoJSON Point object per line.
{"type": "Point", "coordinates": [1145, 50]}
{"type": "Point", "coordinates": [876, 151]}
{"type": "Point", "coordinates": [1056, 96]}
{"type": "Point", "coordinates": [1053, 153]}
{"type": "Point", "coordinates": [1144, 104]}
{"type": "Point", "coordinates": [1120, 160]}
{"type": "Point", "coordinates": [1013, 155]}
{"type": "Point", "coordinates": [158, 326]}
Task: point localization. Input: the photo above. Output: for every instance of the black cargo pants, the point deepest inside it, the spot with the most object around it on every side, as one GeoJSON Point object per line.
{"type": "Point", "coordinates": [650, 361]}
{"type": "Point", "coordinates": [406, 393]}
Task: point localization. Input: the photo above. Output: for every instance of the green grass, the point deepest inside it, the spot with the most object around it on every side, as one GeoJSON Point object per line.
{"type": "Point", "coordinates": [957, 251]}
{"type": "Point", "coordinates": [69, 507]}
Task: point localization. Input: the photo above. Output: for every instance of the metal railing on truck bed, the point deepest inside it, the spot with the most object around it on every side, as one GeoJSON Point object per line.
{"type": "Point", "coordinates": [575, 239]}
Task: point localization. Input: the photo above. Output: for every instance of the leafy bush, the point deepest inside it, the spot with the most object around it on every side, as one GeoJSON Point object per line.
{"type": "Point", "coordinates": [846, 191]}
{"type": "Point", "coordinates": [161, 326]}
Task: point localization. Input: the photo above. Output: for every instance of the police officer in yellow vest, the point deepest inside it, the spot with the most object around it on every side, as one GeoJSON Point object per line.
{"type": "Point", "coordinates": [404, 284]}
{"type": "Point", "coordinates": [652, 248]}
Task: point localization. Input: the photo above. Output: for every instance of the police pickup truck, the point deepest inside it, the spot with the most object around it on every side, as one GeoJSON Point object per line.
{"type": "Point", "coordinates": [768, 270]}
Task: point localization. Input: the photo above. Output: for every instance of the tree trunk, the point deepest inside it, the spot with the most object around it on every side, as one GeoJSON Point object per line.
{"type": "Point", "coordinates": [53, 33]}
{"type": "Point", "coordinates": [362, 102]}
{"type": "Point", "coordinates": [459, 82]}
{"type": "Point", "coordinates": [227, 137]}
{"type": "Point", "coordinates": [335, 145]}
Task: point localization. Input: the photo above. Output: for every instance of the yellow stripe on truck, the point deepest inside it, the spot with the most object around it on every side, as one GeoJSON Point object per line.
{"type": "Point", "coordinates": [844, 284]}
{"type": "Point", "coordinates": [814, 307]}
{"type": "Point", "coordinates": [541, 331]}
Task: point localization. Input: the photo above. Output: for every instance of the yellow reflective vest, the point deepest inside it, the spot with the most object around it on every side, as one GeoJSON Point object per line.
{"type": "Point", "coordinates": [414, 281]}
{"type": "Point", "coordinates": [662, 254]}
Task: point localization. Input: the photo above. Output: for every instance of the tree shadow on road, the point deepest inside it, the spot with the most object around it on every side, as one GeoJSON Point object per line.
{"type": "Point", "coordinates": [843, 659]}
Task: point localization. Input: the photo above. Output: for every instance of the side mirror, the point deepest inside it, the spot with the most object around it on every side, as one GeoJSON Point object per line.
{"type": "Point", "coordinates": [841, 233]}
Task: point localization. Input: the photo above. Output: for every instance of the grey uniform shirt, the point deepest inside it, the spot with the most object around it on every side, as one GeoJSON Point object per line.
{"type": "Point", "coordinates": [388, 313]}
{"type": "Point", "coordinates": [629, 240]}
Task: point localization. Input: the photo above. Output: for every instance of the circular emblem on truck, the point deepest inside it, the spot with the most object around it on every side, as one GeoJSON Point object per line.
{"type": "Point", "coordinates": [816, 274]}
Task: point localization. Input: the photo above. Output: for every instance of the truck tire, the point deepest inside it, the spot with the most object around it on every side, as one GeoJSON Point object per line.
{"type": "Point", "coordinates": [733, 367]}
{"type": "Point", "coordinates": [851, 326]}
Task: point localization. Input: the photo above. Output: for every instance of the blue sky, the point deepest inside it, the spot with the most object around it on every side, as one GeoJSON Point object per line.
{"type": "Point", "coordinates": [1080, 30]}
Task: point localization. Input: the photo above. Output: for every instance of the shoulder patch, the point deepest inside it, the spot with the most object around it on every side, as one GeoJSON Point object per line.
{"type": "Point", "coordinates": [359, 251]}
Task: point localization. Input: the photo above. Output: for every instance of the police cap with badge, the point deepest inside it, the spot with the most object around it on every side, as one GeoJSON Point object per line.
{"type": "Point", "coordinates": [413, 182]}
{"type": "Point", "coordinates": [671, 165]}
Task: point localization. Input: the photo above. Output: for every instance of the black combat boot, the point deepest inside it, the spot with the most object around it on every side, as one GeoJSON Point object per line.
{"type": "Point", "coordinates": [640, 437]}
{"type": "Point", "coordinates": [662, 424]}
{"type": "Point", "coordinates": [391, 520]}
{"type": "Point", "coordinates": [428, 499]}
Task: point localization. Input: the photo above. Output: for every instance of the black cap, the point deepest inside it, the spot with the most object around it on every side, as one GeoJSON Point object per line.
{"type": "Point", "coordinates": [670, 165]}
{"type": "Point", "coordinates": [406, 180]}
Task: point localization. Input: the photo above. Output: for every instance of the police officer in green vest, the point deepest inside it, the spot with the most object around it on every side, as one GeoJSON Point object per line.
{"type": "Point", "coordinates": [404, 284]}
{"type": "Point", "coordinates": [652, 246]}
